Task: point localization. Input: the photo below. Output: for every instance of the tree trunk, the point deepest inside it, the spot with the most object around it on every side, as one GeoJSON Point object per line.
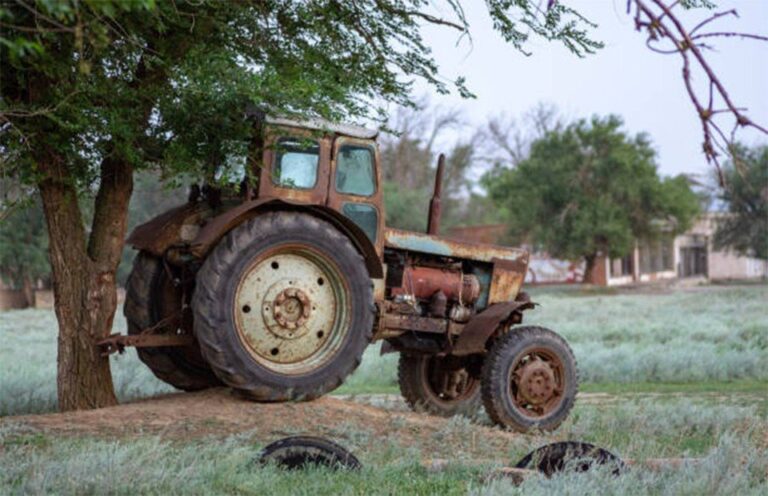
{"type": "Point", "coordinates": [28, 290]}
{"type": "Point", "coordinates": [589, 269]}
{"type": "Point", "coordinates": [83, 271]}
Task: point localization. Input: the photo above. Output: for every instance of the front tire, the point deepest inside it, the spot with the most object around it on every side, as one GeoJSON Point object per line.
{"type": "Point", "coordinates": [530, 380]}
{"type": "Point", "coordinates": [283, 307]}
{"type": "Point", "coordinates": [444, 386]}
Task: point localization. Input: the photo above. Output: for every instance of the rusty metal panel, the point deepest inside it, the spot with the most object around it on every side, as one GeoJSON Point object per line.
{"type": "Point", "coordinates": [506, 279]}
{"type": "Point", "coordinates": [424, 282]}
{"type": "Point", "coordinates": [156, 235]}
{"type": "Point", "coordinates": [116, 343]}
{"type": "Point", "coordinates": [436, 245]}
{"type": "Point", "coordinates": [483, 325]}
{"type": "Point", "coordinates": [402, 322]}
{"type": "Point", "coordinates": [336, 199]}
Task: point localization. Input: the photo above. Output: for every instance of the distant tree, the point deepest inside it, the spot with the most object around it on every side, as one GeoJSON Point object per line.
{"type": "Point", "coordinates": [24, 249]}
{"type": "Point", "coordinates": [409, 157]}
{"type": "Point", "coordinates": [745, 195]}
{"type": "Point", "coordinates": [589, 189]}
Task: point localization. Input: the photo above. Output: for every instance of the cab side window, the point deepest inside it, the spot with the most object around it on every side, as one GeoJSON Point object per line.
{"type": "Point", "coordinates": [295, 163]}
{"type": "Point", "coordinates": [354, 170]}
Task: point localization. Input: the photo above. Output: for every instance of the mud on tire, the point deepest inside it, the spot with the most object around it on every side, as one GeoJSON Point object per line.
{"type": "Point", "coordinates": [429, 384]}
{"type": "Point", "coordinates": [530, 379]}
{"type": "Point", "coordinates": [145, 306]}
{"type": "Point", "coordinates": [249, 335]}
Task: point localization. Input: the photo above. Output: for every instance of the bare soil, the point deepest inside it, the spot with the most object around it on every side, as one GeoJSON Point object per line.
{"type": "Point", "coordinates": [219, 412]}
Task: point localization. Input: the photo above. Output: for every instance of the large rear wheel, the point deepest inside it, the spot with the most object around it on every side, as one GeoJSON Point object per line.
{"type": "Point", "coordinates": [284, 307]}
{"type": "Point", "coordinates": [152, 300]}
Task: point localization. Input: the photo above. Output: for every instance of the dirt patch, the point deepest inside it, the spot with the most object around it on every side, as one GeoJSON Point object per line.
{"type": "Point", "coordinates": [219, 412]}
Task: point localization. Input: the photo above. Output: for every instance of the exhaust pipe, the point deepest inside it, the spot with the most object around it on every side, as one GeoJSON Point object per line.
{"type": "Point", "coordinates": [433, 222]}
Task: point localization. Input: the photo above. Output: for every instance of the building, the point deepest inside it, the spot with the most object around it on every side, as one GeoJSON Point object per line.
{"type": "Point", "coordinates": [688, 255]}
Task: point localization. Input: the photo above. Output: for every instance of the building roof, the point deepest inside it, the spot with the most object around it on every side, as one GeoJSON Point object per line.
{"type": "Point", "coordinates": [324, 125]}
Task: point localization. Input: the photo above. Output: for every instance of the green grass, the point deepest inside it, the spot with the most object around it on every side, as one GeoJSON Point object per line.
{"type": "Point", "coordinates": [686, 374]}
{"type": "Point", "coordinates": [672, 341]}
{"type": "Point", "coordinates": [728, 438]}
{"type": "Point", "coordinates": [725, 387]}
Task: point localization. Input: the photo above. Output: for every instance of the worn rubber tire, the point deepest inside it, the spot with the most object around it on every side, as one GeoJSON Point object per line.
{"type": "Point", "coordinates": [300, 452]}
{"type": "Point", "coordinates": [497, 371]}
{"type": "Point", "coordinates": [214, 296]}
{"type": "Point", "coordinates": [141, 311]}
{"type": "Point", "coordinates": [412, 371]}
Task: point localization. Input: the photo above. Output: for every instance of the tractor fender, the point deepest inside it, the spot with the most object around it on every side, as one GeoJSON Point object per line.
{"type": "Point", "coordinates": [218, 226]}
{"type": "Point", "coordinates": [482, 326]}
{"type": "Point", "coordinates": [167, 229]}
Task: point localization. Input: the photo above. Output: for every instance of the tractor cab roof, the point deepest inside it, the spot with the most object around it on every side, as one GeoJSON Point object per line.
{"type": "Point", "coordinates": [324, 125]}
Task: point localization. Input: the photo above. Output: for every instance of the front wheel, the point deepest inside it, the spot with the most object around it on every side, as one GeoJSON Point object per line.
{"type": "Point", "coordinates": [444, 386]}
{"type": "Point", "coordinates": [283, 307]}
{"type": "Point", "coordinates": [530, 380]}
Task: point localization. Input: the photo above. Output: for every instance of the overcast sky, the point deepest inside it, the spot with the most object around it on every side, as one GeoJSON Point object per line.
{"type": "Point", "coordinates": [625, 77]}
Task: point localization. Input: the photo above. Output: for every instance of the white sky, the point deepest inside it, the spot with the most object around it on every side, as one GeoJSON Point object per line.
{"type": "Point", "coordinates": [624, 78]}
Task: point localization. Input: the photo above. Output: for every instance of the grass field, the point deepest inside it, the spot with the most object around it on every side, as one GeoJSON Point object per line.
{"type": "Point", "coordinates": [670, 375]}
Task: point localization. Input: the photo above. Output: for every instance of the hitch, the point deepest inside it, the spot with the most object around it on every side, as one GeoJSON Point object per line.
{"type": "Point", "coordinates": [117, 343]}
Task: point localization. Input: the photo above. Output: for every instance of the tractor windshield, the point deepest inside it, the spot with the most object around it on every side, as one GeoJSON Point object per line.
{"type": "Point", "coordinates": [296, 163]}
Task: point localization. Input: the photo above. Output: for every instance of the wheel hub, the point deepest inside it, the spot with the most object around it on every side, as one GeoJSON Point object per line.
{"type": "Point", "coordinates": [291, 308]}
{"type": "Point", "coordinates": [537, 382]}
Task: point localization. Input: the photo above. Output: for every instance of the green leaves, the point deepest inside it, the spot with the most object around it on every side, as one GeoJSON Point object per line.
{"type": "Point", "coordinates": [205, 59]}
{"type": "Point", "coordinates": [744, 225]}
{"type": "Point", "coordinates": [590, 188]}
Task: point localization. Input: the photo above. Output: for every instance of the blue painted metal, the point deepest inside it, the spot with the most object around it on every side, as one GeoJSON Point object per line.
{"type": "Point", "coordinates": [435, 245]}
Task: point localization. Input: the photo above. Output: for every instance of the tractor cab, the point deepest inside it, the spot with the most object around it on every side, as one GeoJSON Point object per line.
{"type": "Point", "coordinates": [319, 163]}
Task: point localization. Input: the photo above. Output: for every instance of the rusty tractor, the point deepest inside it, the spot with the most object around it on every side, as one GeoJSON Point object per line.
{"type": "Point", "coordinates": [276, 287]}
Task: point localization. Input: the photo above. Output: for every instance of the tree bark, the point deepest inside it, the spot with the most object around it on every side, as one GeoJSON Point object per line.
{"type": "Point", "coordinates": [589, 269]}
{"type": "Point", "coordinates": [83, 271]}
{"type": "Point", "coordinates": [28, 290]}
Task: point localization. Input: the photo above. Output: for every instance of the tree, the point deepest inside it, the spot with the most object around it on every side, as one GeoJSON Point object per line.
{"type": "Point", "coordinates": [590, 189]}
{"type": "Point", "coordinates": [23, 252]}
{"type": "Point", "coordinates": [745, 226]}
{"type": "Point", "coordinates": [92, 91]}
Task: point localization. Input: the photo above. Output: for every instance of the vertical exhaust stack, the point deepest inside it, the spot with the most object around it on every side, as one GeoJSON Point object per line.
{"type": "Point", "coordinates": [433, 222]}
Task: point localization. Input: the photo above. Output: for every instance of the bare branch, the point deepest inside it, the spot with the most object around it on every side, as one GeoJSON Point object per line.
{"type": "Point", "coordinates": [661, 24]}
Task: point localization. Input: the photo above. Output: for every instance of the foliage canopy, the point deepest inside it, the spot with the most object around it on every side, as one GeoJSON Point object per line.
{"type": "Point", "coordinates": [745, 226]}
{"type": "Point", "coordinates": [590, 188]}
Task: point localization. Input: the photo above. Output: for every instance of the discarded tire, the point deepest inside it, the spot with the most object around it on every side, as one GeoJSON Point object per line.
{"type": "Point", "coordinates": [529, 380]}
{"type": "Point", "coordinates": [150, 298]}
{"type": "Point", "coordinates": [570, 455]}
{"type": "Point", "coordinates": [299, 452]}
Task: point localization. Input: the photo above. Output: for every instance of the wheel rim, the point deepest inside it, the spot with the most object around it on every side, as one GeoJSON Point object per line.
{"type": "Point", "coordinates": [537, 382]}
{"type": "Point", "coordinates": [448, 383]}
{"type": "Point", "coordinates": [291, 309]}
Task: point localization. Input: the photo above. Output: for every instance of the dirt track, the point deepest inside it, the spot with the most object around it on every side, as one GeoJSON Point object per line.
{"type": "Point", "coordinates": [218, 412]}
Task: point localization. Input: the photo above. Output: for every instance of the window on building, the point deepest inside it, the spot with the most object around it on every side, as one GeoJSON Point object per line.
{"type": "Point", "coordinates": [622, 266]}
{"type": "Point", "coordinates": [296, 163]}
